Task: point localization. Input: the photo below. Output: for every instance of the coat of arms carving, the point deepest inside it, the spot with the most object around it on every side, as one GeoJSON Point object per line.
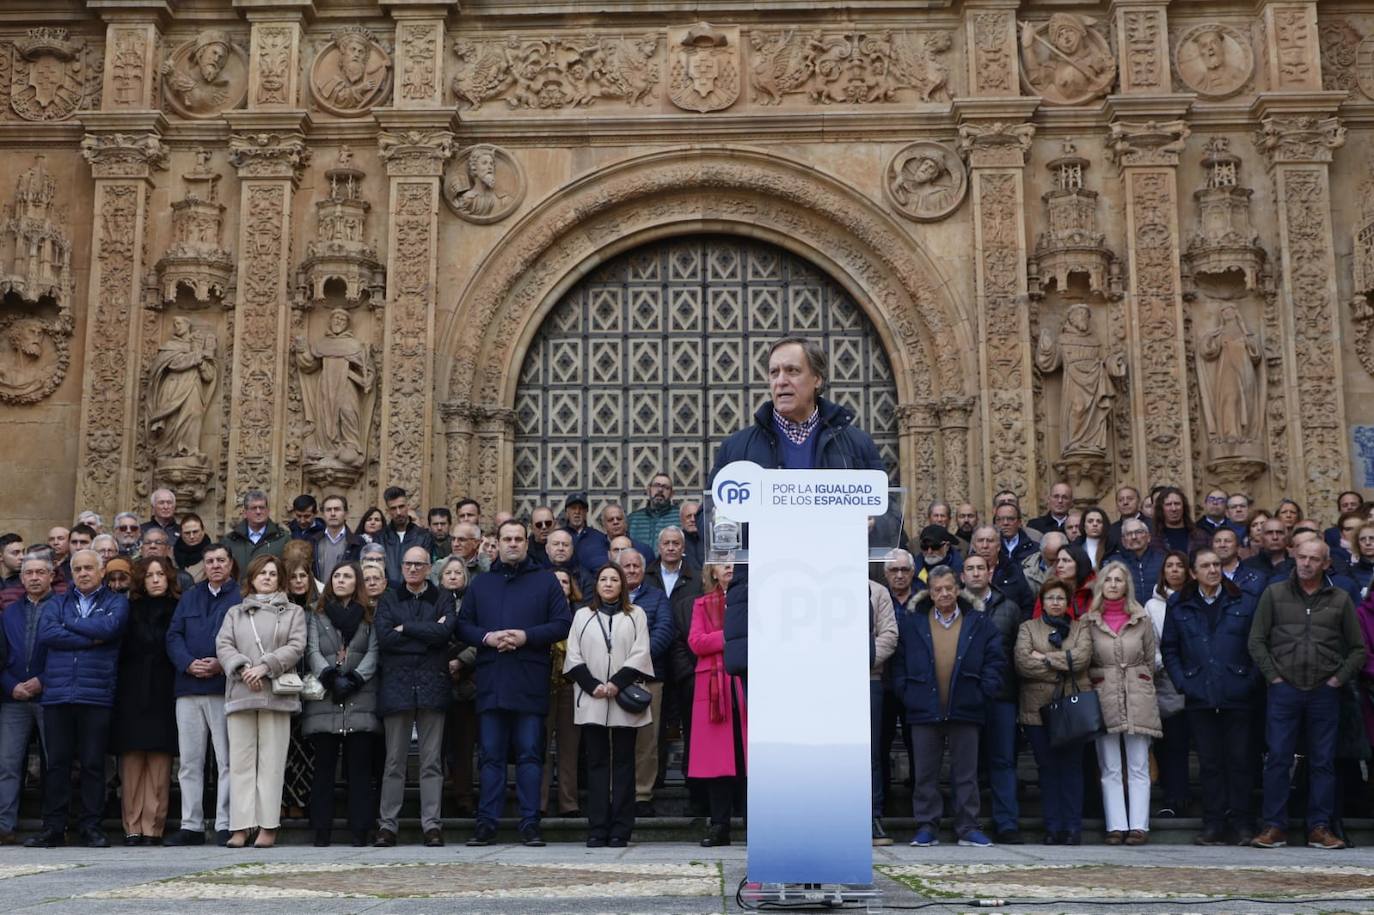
{"type": "Point", "coordinates": [705, 67]}
{"type": "Point", "coordinates": [50, 75]}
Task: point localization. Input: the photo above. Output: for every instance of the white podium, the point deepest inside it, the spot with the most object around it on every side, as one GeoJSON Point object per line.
{"type": "Point", "coordinates": [809, 756]}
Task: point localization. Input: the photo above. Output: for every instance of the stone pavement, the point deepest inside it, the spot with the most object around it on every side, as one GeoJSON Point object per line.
{"type": "Point", "coordinates": [679, 878]}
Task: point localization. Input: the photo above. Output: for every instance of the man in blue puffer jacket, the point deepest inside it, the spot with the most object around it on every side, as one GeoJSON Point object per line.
{"type": "Point", "coordinates": [1206, 652]}
{"type": "Point", "coordinates": [796, 430]}
{"type": "Point", "coordinates": [81, 631]}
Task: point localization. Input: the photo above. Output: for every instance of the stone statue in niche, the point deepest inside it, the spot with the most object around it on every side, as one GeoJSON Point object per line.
{"type": "Point", "coordinates": [181, 382]}
{"type": "Point", "coordinates": [926, 181]}
{"type": "Point", "coordinates": [1065, 61]}
{"type": "Point", "coordinates": [337, 377]}
{"type": "Point", "coordinates": [1085, 403]}
{"type": "Point", "coordinates": [488, 184]}
{"type": "Point", "coordinates": [205, 76]}
{"type": "Point", "coordinates": [1228, 381]}
{"type": "Point", "coordinates": [1214, 60]}
{"type": "Point", "coordinates": [351, 73]}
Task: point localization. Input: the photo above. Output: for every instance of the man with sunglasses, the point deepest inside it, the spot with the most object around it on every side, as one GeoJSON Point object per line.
{"type": "Point", "coordinates": [541, 525]}
{"type": "Point", "coordinates": [127, 532]}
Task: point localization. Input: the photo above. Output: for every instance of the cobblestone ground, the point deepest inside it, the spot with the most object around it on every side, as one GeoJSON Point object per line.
{"type": "Point", "coordinates": [674, 878]}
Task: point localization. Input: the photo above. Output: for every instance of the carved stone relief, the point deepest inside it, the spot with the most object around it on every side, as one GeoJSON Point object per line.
{"type": "Point", "coordinates": [351, 73]}
{"type": "Point", "coordinates": [485, 184]}
{"type": "Point", "coordinates": [195, 261]}
{"type": "Point", "coordinates": [341, 250]}
{"type": "Point", "coordinates": [849, 68]}
{"type": "Point", "coordinates": [704, 66]}
{"type": "Point", "coordinates": [925, 181]}
{"type": "Point", "coordinates": [1141, 36]}
{"type": "Point", "coordinates": [52, 75]}
{"type": "Point", "coordinates": [1340, 43]}
{"type": "Point", "coordinates": [1071, 242]}
{"type": "Point", "coordinates": [1231, 389]}
{"type": "Point", "coordinates": [1214, 60]}
{"type": "Point", "coordinates": [36, 280]}
{"type": "Point", "coordinates": [1089, 368]}
{"type": "Point", "coordinates": [1362, 305]}
{"type": "Point", "coordinates": [419, 59]}
{"type": "Point", "coordinates": [1066, 61]}
{"type": "Point", "coordinates": [994, 64]}
{"type": "Point", "coordinates": [274, 47]}
{"type": "Point", "coordinates": [181, 383]}
{"type": "Point", "coordinates": [1364, 67]}
{"type": "Point", "coordinates": [1295, 46]}
{"type": "Point", "coordinates": [569, 71]}
{"type": "Point", "coordinates": [338, 375]}
{"type": "Point", "coordinates": [206, 75]}
{"type": "Point", "coordinates": [1224, 239]}
{"type": "Point", "coordinates": [127, 67]}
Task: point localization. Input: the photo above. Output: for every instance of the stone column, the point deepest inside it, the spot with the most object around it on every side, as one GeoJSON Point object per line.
{"type": "Point", "coordinates": [918, 425]}
{"type": "Point", "coordinates": [996, 151]}
{"type": "Point", "coordinates": [991, 49]}
{"type": "Point", "coordinates": [123, 149]}
{"type": "Point", "coordinates": [274, 67]}
{"type": "Point", "coordinates": [459, 428]}
{"type": "Point", "coordinates": [1147, 156]}
{"type": "Point", "coordinates": [1298, 149]}
{"type": "Point", "coordinates": [495, 456]}
{"type": "Point", "coordinates": [1142, 47]}
{"type": "Point", "coordinates": [1292, 48]}
{"type": "Point", "coordinates": [133, 50]}
{"type": "Point", "coordinates": [955, 415]}
{"type": "Point", "coordinates": [419, 51]}
{"type": "Point", "coordinates": [414, 157]}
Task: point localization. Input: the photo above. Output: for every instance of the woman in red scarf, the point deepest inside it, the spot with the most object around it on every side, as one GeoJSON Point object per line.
{"type": "Point", "coordinates": [718, 713]}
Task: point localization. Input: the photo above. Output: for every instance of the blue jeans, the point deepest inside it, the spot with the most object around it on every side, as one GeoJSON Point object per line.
{"type": "Point", "coordinates": [1289, 709]}
{"type": "Point", "coordinates": [1061, 781]}
{"type": "Point", "coordinates": [17, 722]}
{"type": "Point", "coordinates": [999, 736]}
{"type": "Point", "coordinates": [498, 733]}
{"type": "Point", "coordinates": [875, 719]}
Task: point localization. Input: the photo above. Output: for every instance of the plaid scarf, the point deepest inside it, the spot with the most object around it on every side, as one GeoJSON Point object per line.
{"type": "Point", "coordinates": [797, 433]}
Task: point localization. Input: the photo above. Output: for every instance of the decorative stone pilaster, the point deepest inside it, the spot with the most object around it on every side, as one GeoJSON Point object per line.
{"type": "Point", "coordinates": [122, 164]}
{"type": "Point", "coordinates": [918, 424]}
{"type": "Point", "coordinates": [1142, 46]}
{"type": "Point", "coordinates": [1292, 49]}
{"type": "Point", "coordinates": [495, 455]}
{"type": "Point", "coordinates": [274, 66]}
{"type": "Point", "coordinates": [1298, 150]}
{"type": "Point", "coordinates": [133, 50]}
{"type": "Point", "coordinates": [419, 51]}
{"type": "Point", "coordinates": [996, 152]}
{"type": "Point", "coordinates": [269, 167]}
{"type": "Point", "coordinates": [956, 413]}
{"type": "Point", "coordinates": [460, 425]}
{"type": "Point", "coordinates": [991, 51]}
{"type": "Point", "coordinates": [414, 160]}
{"type": "Point", "coordinates": [1147, 155]}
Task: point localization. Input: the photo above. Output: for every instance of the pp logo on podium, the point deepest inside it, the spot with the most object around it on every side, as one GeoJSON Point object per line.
{"type": "Point", "coordinates": [738, 490]}
{"type": "Point", "coordinates": [732, 492]}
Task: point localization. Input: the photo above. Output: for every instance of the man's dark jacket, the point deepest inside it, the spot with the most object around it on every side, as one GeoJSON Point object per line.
{"type": "Point", "coordinates": [1006, 615]}
{"type": "Point", "coordinates": [83, 653]}
{"type": "Point", "coordinates": [662, 626]}
{"type": "Point", "coordinates": [191, 635]}
{"type": "Point", "coordinates": [979, 665]}
{"type": "Point", "coordinates": [16, 668]}
{"type": "Point", "coordinates": [414, 661]}
{"type": "Point", "coordinates": [353, 548]}
{"type": "Point", "coordinates": [1206, 647]}
{"type": "Point", "coordinates": [243, 550]}
{"type": "Point", "coordinates": [840, 446]}
{"type": "Point", "coordinates": [396, 544]}
{"type": "Point", "coordinates": [522, 596]}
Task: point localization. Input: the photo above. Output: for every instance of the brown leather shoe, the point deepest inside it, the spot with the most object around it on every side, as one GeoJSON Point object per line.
{"type": "Point", "coordinates": [1114, 837]}
{"type": "Point", "coordinates": [434, 838]}
{"type": "Point", "coordinates": [1322, 837]}
{"type": "Point", "coordinates": [385, 839]}
{"type": "Point", "coordinates": [1270, 837]}
{"type": "Point", "coordinates": [8, 838]}
{"type": "Point", "coordinates": [1137, 837]}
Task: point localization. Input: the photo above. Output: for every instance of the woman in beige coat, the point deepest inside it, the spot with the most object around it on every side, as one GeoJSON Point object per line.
{"type": "Point", "coordinates": [261, 639]}
{"type": "Point", "coordinates": [1048, 648]}
{"type": "Point", "coordinates": [1122, 672]}
{"type": "Point", "coordinates": [608, 649]}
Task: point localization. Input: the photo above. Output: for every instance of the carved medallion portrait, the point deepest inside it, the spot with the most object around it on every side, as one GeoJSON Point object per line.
{"type": "Point", "coordinates": [925, 181]}
{"type": "Point", "coordinates": [33, 358]}
{"type": "Point", "coordinates": [206, 76]}
{"type": "Point", "coordinates": [49, 79]}
{"type": "Point", "coordinates": [1065, 60]}
{"type": "Point", "coordinates": [705, 68]}
{"type": "Point", "coordinates": [1214, 60]}
{"type": "Point", "coordinates": [351, 74]}
{"type": "Point", "coordinates": [484, 184]}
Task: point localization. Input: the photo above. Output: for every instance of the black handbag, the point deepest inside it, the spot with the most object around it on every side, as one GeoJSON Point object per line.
{"type": "Point", "coordinates": [633, 698]}
{"type": "Point", "coordinates": [1073, 718]}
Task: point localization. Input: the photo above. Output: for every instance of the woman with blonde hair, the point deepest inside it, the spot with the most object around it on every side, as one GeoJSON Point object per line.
{"type": "Point", "coordinates": [261, 639]}
{"type": "Point", "coordinates": [608, 650]}
{"type": "Point", "coordinates": [1122, 673]}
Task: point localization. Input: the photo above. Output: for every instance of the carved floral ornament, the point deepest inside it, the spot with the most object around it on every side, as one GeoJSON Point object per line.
{"type": "Point", "coordinates": [415, 152]}
{"type": "Point", "coordinates": [1299, 139]}
{"type": "Point", "coordinates": [268, 155]}
{"type": "Point", "coordinates": [122, 155]}
{"type": "Point", "coordinates": [1214, 60]}
{"type": "Point", "coordinates": [849, 67]}
{"type": "Point", "coordinates": [351, 74]}
{"type": "Point", "coordinates": [1146, 143]}
{"type": "Point", "coordinates": [999, 143]}
{"type": "Point", "coordinates": [206, 75]}
{"type": "Point", "coordinates": [925, 181]}
{"type": "Point", "coordinates": [554, 73]}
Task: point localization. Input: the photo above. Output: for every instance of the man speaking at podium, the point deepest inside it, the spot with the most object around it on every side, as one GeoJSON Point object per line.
{"type": "Point", "coordinates": [796, 430]}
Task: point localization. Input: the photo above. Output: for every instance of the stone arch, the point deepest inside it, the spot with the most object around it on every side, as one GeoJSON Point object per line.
{"type": "Point", "coordinates": [729, 190]}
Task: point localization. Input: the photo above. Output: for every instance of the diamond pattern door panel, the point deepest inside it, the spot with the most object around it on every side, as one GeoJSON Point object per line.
{"type": "Point", "coordinates": [656, 356]}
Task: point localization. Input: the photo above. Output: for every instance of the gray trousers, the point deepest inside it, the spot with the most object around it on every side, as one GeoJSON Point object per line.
{"type": "Point", "coordinates": [200, 726]}
{"type": "Point", "coordinates": [430, 725]}
{"type": "Point", "coordinates": [928, 742]}
{"type": "Point", "coordinates": [17, 723]}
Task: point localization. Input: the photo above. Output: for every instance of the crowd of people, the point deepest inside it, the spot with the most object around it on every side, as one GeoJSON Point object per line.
{"type": "Point", "coordinates": [576, 652]}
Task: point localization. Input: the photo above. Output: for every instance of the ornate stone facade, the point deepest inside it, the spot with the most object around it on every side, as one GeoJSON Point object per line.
{"type": "Point", "coordinates": [337, 246]}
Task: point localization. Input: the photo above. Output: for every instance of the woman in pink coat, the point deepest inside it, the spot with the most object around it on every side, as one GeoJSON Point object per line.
{"type": "Point", "coordinates": [718, 714]}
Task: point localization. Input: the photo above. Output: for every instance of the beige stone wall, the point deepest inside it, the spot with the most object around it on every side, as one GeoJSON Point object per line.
{"type": "Point", "coordinates": [226, 181]}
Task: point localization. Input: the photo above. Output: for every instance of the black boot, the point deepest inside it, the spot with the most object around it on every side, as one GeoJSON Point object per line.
{"type": "Point", "coordinates": [716, 835]}
{"type": "Point", "coordinates": [322, 838]}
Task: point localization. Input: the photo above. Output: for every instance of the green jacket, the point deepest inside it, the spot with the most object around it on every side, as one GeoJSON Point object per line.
{"type": "Point", "coordinates": [1306, 638]}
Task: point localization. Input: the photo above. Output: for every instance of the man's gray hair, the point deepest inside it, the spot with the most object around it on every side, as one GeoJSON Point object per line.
{"type": "Point", "coordinates": [44, 557]}
{"type": "Point", "coordinates": [814, 353]}
{"type": "Point", "coordinates": [940, 571]}
{"type": "Point", "coordinates": [158, 492]}
{"type": "Point", "coordinates": [631, 551]}
{"type": "Point", "coordinates": [467, 529]}
{"type": "Point", "coordinates": [898, 556]}
{"type": "Point", "coordinates": [100, 563]}
{"type": "Point", "coordinates": [1053, 542]}
{"type": "Point", "coordinates": [122, 515]}
{"type": "Point", "coordinates": [986, 527]}
{"type": "Point", "coordinates": [99, 538]}
{"type": "Point", "coordinates": [930, 509]}
{"type": "Point", "coordinates": [371, 549]}
{"type": "Point", "coordinates": [91, 518]}
{"type": "Point", "coordinates": [253, 495]}
{"type": "Point", "coordinates": [671, 529]}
